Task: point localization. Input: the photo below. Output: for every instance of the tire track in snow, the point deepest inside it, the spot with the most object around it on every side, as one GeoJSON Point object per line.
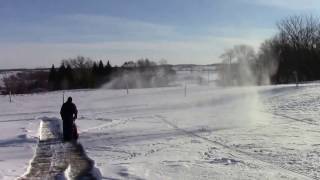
{"type": "Point", "coordinates": [272, 96]}
{"type": "Point", "coordinates": [55, 160]}
{"type": "Point", "coordinates": [27, 113]}
{"type": "Point", "coordinates": [104, 125]}
{"type": "Point", "coordinates": [17, 120]}
{"type": "Point", "coordinates": [292, 118]}
{"type": "Point", "coordinates": [291, 171]}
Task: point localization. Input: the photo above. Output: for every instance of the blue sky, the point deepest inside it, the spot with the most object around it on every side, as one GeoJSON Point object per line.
{"type": "Point", "coordinates": [38, 33]}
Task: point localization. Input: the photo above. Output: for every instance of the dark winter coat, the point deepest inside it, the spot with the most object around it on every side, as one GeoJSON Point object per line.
{"type": "Point", "coordinates": [68, 111]}
{"type": "Point", "coordinates": [68, 114]}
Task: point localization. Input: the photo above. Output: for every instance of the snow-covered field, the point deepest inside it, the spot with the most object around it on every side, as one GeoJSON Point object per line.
{"type": "Point", "coordinates": [269, 132]}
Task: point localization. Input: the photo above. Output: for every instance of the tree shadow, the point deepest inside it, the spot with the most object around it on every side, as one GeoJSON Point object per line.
{"type": "Point", "coordinates": [123, 172]}
{"type": "Point", "coordinates": [19, 140]}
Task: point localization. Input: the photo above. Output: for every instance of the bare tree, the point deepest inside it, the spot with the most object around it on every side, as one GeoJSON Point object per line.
{"type": "Point", "coordinates": [78, 62]}
{"type": "Point", "coordinates": [297, 48]}
{"type": "Point", "coordinates": [236, 68]}
{"type": "Point", "coordinates": [300, 31]}
{"type": "Point", "coordinates": [227, 56]}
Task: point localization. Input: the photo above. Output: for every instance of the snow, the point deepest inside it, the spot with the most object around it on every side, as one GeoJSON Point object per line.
{"type": "Point", "coordinates": [55, 159]}
{"type": "Point", "coordinates": [268, 132]}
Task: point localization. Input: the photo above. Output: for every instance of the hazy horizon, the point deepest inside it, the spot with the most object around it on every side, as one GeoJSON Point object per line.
{"type": "Point", "coordinates": [44, 32]}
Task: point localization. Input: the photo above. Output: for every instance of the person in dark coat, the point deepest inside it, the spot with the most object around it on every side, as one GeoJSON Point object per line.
{"type": "Point", "coordinates": [69, 114]}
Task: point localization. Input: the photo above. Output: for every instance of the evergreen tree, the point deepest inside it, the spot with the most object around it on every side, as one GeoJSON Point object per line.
{"type": "Point", "coordinates": [108, 71]}
{"type": "Point", "coordinates": [94, 69]}
{"type": "Point", "coordinates": [61, 78]}
{"type": "Point", "coordinates": [94, 74]}
{"type": "Point", "coordinates": [69, 77]}
{"type": "Point", "coordinates": [52, 78]}
{"type": "Point", "coordinates": [108, 68]}
{"type": "Point", "coordinates": [101, 68]}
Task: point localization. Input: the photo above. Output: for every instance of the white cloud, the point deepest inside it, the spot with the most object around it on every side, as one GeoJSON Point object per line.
{"type": "Point", "coordinates": [289, 4]}
{"type": "Point", "coordinates": [205, 50]}
{"type": "Point", "coordinates": [116, 23]}
{"type": "Point", "coordinates": [131, 40]}
{"type": "Point", "coordinates": [88, 28]}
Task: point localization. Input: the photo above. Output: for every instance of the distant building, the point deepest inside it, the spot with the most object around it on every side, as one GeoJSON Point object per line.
{"type": "Point", "coordinates": [129, 64]}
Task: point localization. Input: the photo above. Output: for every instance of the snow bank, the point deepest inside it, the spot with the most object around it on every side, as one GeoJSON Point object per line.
{"type": "Point", "coordinates": [57, 160]}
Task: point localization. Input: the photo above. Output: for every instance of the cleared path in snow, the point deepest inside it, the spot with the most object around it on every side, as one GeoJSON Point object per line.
{"type": "Point", "coordinates": [57, 160]}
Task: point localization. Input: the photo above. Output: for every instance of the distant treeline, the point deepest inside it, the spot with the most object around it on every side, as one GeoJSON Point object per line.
{"type": "Point", "coordinates": [142, 74]}
{"type": "Point", "coordinates": [78, 73]}
{"type": "Point", "coordinates": [84, 73]}
{"type": "Point", "coordinates": [291, 55]}
{"type": "Point", "coordinates": [25, 82]}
